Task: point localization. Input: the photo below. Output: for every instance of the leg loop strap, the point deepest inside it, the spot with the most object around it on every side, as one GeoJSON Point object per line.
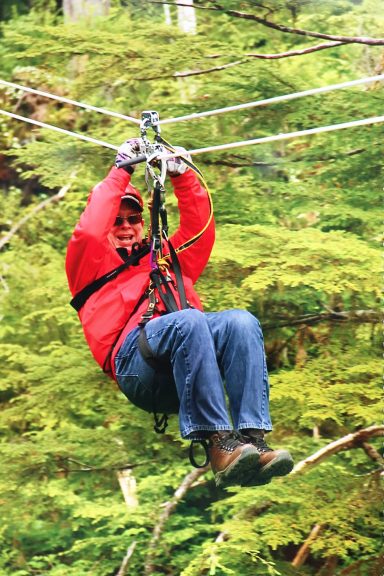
{"type": "Point", "coordinates": [161, 422]}
{"type": "Point", "coordinates": [192, 460]}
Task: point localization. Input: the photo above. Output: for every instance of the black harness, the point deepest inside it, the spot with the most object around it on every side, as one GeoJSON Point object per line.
{"type": "Point", "coordinates": [160, 278]}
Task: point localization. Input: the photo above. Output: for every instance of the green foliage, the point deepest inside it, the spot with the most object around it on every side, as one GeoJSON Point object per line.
{"type": "Point", "coordinates": [297, 233]}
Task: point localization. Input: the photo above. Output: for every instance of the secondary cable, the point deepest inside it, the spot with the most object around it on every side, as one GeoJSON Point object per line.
{"type": "Point", "coordinates": [273, 100]}
{"type": "Point", "coordinates": [276, 137]}
{"type": "Point", "coordinates": [319, 130]}
{"type": "Point", "coordinates": [194, 115]}
{"type": "Point", "coordinates": [61, 130]}
{"type": "Point", "coordinates": [68, 101]}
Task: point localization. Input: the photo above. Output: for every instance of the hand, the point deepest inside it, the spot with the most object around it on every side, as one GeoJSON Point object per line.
{"type": "Point", "coordinates": [175, 166]}
{"type": "Point", "coordinates": [127, 151]}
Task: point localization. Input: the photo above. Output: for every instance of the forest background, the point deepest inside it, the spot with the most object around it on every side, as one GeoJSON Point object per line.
{"type": "Point", "coordinates": [87, 487]}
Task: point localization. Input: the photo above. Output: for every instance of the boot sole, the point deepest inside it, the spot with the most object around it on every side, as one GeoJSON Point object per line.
{"type": "Point", "coordinates": [246, 465]}
{"type": "Point", "coordinates": [279, 466]}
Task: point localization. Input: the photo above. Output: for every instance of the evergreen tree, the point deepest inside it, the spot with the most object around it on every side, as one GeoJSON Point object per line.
{"type": "Point", "coordinates": [297, 245]}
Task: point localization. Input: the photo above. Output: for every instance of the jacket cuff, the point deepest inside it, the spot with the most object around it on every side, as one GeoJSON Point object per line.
{"type": "Point", "coordinates": [119, 175]}
{"type": "Point", "coordinates": [182, 180]}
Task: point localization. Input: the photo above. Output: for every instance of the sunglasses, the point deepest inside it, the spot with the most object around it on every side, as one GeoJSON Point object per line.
{"type": "Point", "coordinates": [133, 219]}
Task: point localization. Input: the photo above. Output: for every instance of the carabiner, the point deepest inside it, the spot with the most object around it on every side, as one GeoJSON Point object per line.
{"type": "Point", "coordinates": [149, 170]}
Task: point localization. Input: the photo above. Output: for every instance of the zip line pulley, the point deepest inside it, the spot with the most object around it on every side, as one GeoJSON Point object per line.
{"type": "Point", "coordinates": [155, 174]}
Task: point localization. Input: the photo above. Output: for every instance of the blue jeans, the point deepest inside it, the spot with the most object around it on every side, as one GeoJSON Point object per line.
{"type": "Point", "coordinates": [204, 351]}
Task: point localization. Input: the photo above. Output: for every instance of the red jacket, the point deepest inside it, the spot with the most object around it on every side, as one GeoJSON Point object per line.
{"type": "Point", "coordinates": [106, 316]}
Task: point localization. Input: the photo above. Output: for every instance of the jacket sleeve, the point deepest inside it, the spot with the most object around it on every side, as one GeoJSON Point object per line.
{"type": "Point", "coordinates": [87, 247]}
{"type": "Point", "coordinates": [194, 208]}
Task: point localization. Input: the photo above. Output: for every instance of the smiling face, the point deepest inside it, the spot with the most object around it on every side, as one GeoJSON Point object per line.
{"type": "Point", "coordinates": [124, 234]}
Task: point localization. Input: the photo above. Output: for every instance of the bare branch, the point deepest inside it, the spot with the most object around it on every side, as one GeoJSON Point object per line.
{"type": "Point", "coordinates": [377, 567]}
{"type": "Point", "coordinates": [281, 28]}
{"type": "Point", "coordinates": [196, 6]}
{"type": "Point", "coordinates": [329, 566]}
{"type": "Point", "coordinates": [52, 199]}
{"type": "Point", "coordinates": [123, 568]}
{"type": "Point", "coordinates": [214, 69]}
{"type": "Point", "coordinates": [238, 161]}
{"type": "Point", "coordinates": [353, 440]}
{"type": "Point", "coordinates": [290, 53]}
{"type": "Point", "coordinates": [194, 72]}
{"type": "Point", "coordinates": [304, 550]}
{"type": "Point", "coordinates": [360, 316]}
{"type": "Point", "coordinates": [372, 452]}
{"type": "Point", "coordinates": [91, 468]}
{"type": "Point", "coordinates": [186, 484]}
{"type": "Point", "coordinates": [221, 537]}
{"type": "Point", "coordinates": [276, 56]}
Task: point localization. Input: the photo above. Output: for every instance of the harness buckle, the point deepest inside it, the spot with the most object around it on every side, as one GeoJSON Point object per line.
{"type": "Point", "coordinates": [148, 314]}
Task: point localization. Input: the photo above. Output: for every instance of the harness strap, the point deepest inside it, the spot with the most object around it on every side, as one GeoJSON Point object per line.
{"type": "Point", "coordinates": [161, 423]}
{"type": "Point", "coordinates": [81, 297]}
{"type": "Point", "coordinates": [157, 364]}
{"type": "Point", "coordinates": [164, 291]}
{"type": "Point", "coordinates": [160, 282]}
{"type": "Point", "coordinates": [179, 278]}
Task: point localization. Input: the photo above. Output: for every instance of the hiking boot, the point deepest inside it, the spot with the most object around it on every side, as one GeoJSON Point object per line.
{"type": "Point", "coordinates": [233, 461]}
{"type": "Point", "coordinates": [271, 462]}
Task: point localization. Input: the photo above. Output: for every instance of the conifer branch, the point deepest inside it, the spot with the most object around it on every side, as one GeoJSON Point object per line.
{"type": "Point", "coordinates": [52, 199]}
{"type": "Point", "coordinates": [186, 484]}
{"type": "Point", "coordinates": [353, 440]}
{"type": "Point", "coordinates": [280, 27]}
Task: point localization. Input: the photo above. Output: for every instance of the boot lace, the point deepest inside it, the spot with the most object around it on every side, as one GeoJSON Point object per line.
{"type": "Point", "coordinates": [228, 441]}
{"type": "Point", "coordinates": [258, 441]}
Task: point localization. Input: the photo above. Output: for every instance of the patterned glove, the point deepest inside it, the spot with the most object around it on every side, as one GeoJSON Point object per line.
{"type": "Point", "coordinates": [127, 151]}
{"type": "Point", "coordinates": [175, 166]}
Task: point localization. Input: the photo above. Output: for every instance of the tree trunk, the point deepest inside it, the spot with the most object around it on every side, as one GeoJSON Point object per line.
{"type": "Point", "coordinates": [167, 15]}
{"type": "Point", "coordinates": [186, 18]}
{"type": "Point", "coordinates": [128, 487]}
{"type": "Point", "coordinates": [75, 10]}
